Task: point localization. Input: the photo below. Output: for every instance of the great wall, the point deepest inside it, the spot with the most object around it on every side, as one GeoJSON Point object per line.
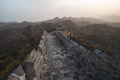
{"type": "Point", "coordinates": [60, 58]}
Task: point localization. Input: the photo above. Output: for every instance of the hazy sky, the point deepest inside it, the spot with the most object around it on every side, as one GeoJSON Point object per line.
{"type": "Point", "coordinates": [37, 10]}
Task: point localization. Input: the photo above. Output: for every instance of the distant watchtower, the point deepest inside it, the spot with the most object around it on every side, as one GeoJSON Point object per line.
{"type": "Point", "coordinates": [60, 27]}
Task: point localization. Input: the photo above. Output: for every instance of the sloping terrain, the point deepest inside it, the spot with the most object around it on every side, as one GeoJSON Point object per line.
{"type": "Point", "coordinates": [18, 39]}
{"type": "Point", "coordinates": [60, 58]}
{"type": "Point", "coordinates": [9, 25]}
{"type": "Point", "coordinates": [16, 43]}
{"type": "Point", "coordinates": [100, 36]}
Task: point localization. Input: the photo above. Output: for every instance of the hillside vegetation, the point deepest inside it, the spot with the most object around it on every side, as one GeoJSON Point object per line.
{"type": "Point", "coordinates": [17, 43]}
{"type": "Point", "coordinates": [18, 39]}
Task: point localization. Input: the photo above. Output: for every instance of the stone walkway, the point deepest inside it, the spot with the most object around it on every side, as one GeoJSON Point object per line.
{"type": "Point", "coordinates": [58, 62]}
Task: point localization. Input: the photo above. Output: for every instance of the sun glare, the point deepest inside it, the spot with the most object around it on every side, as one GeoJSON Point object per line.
{"type": "Point", "coordinates": [97, 6]}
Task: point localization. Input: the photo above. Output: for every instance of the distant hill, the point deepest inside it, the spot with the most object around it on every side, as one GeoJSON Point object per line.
{"type": "Point", "coordinates": [90, 20]}
{"type": "Point", "coordinates": [2, 24]}
{"type": "Point", "coordinates": [13, 37]}
{"type": "Point", "coordinates": [9, 25]}
{"type": "Point", "coordinates": [83, 21]}
{"type": "Point", "coordinates": [111, 19]}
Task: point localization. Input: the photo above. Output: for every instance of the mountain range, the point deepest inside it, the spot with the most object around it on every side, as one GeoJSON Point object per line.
{"type": "Point", "coordinates": [18, 39]}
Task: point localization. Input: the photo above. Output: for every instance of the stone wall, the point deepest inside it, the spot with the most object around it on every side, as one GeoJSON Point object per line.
{"type": "Point", "coordinates": [36, 59]}
{"type": "Point", "coordinates": [36, 56]}
{"type": "Point", "coordinates": [33, 64]}
{"type": "Point", "coordinates": [42, 44]}
{"type": "Point", "coordinates": [99, 64]}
